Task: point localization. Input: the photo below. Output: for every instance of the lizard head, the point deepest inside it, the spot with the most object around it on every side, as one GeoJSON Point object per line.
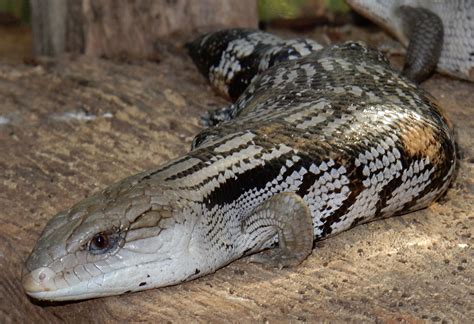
{"type": "Point", "coordinates": [132, 236]}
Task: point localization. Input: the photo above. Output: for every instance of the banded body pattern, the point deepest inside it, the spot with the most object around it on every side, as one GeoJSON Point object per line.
{"type": "Point", "coordinates": [233, 58]}
{"type": "Point", "coordinates": [313, 146]}
{"type": "Point", "coordinates": [344, 131]}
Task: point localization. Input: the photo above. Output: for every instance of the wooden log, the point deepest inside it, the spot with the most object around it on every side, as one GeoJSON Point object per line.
{"type": "Point", "coordinates": [118, 27]}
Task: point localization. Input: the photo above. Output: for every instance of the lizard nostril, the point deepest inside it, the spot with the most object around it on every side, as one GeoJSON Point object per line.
{"type": "Point", "coordinates": [39, 280]}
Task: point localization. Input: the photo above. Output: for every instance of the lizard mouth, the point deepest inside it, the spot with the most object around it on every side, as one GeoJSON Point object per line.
{"type": "Point", "coordinates": [40, 284]}
{"type": "Point", "coordinates": [43, 283]}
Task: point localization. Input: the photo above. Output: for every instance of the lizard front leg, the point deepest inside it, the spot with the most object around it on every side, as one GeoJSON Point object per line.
{"type": "Point", "coordinates": [288, 216]}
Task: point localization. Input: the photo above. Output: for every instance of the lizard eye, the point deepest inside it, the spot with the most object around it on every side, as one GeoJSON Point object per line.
{"type": "Point", "coordinates": [104, 242]}
{"type": "Point", "coordinates": [99, 242]}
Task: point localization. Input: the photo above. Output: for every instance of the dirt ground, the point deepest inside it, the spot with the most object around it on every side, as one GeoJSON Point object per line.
{"type": "Point", "coordinates": [71, 126]}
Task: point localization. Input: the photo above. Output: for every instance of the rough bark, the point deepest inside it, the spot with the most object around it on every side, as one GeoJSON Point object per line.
{"type": "Point", "coordinates": [118, 27]}
{"type": "Point", "coordinates": [71, 126]}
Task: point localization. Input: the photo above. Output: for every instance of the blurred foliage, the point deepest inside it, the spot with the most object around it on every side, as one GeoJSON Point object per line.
{"type": "Point", "coordinates": [291, 9]}
{"type": "Point", "coordinates": [18, 8]}
{"type": "Point", "coordinates": [270, 9]}
{"type": "Point", "coordinates": [337, 6]}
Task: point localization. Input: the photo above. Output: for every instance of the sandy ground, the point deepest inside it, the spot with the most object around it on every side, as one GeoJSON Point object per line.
{"type": "Point", "coordinates": [71, 126]}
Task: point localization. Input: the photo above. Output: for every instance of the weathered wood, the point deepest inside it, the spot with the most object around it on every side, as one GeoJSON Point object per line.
{"type": "Point", "coordinates": [119, 27]}
{"type": "Point", "coordinates": [70, 126]}
{"type": "Point", "coordinates": [48, 18]}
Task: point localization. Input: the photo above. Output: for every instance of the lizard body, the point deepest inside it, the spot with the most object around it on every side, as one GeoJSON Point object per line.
{"type": "Point", "coordinates": [313, 146]}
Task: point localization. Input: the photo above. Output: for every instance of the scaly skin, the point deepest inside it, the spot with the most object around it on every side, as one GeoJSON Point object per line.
{"type": "Point", "coordinates": [413, 25]}
{"type": "Point", "coordinates": [313, 147]}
